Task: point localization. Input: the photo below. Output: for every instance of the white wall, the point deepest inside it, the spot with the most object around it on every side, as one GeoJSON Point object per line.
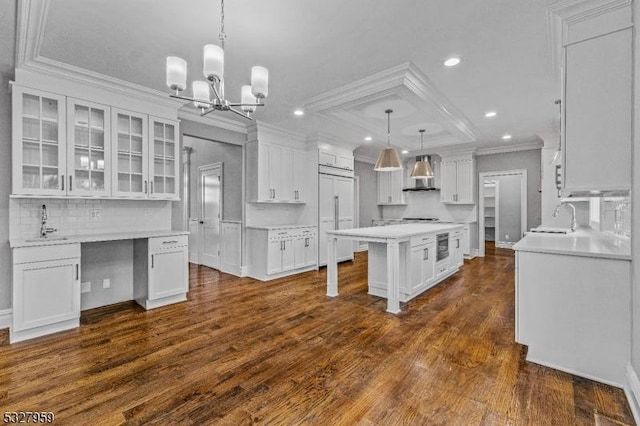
{"type": "Point", "coordinates": [7, 65]}
{"type": "Point", "coordinates": [509, 209]}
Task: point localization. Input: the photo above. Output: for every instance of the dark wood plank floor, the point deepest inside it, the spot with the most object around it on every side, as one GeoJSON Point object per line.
{"type": "Point", "coordinates": [245, 352]}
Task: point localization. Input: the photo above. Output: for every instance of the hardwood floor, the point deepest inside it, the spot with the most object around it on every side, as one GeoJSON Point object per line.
{"type": "Point", "coordinates": [245, 352]}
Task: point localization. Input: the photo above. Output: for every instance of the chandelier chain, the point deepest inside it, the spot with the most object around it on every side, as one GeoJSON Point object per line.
{"type": "Point", "coordinates": [222, 35]}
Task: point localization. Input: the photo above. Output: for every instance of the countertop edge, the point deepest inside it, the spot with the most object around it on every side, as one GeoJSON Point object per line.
{"type": "Point", "coordinates": [612, 256]}
{"type": "Point", "coordinates": [90, 238]}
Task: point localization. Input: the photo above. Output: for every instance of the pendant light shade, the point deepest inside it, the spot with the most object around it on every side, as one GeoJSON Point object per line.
{"type": "Point", "coordinates": [422, 168]}
{"type": "Point", "coordinates": [389, 159]}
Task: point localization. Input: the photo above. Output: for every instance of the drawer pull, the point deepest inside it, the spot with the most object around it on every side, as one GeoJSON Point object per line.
{"type": "Point", "coordinates": [77, 272]}
{"type": "Point", "coordinates": [170, 242]}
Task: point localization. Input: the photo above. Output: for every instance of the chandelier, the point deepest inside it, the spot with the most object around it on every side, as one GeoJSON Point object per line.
{"type": "Point", "coordinates": [209, 95]}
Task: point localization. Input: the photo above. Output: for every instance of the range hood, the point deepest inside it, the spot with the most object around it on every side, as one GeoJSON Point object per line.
{"type": "Point", "coordinates": [422, 184]}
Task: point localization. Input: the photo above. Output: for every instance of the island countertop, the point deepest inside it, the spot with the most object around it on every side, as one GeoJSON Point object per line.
{"type": "Point", "coordinates": [583, 242]}
{"type": "Point", "coordinates": [401, 231]}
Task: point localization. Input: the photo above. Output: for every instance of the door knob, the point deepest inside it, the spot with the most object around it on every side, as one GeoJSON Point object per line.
{"type": "Point", "coordinates": [202, 222]}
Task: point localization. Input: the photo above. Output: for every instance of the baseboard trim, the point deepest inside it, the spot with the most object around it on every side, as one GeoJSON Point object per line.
{"type": "Point", "coordinates": [6, 318]}
{"type": "Point", "coordinates": [572, 371]}
{"type": "Point", "coordinates": [632, 392]}
{"type": "Point", "coordinates": [362, 247]}
{"type": "Point", "coordinates": [244, 271]}
{"type": "Point", "coordinates": [505, 245]}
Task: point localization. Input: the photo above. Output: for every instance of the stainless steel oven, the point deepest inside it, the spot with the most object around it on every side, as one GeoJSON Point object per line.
{"type": "Point", "coordinates": [442, 251]}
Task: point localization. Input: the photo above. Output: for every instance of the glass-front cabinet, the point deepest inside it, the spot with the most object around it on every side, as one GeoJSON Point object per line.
{"type": "Point", "coordinates": [163, 161]}
{"type": "Point", "coordinates": [130, 154]}
{"type": "Point", "coordinates": [88, 148]}
{"type": "Point", "coordinates": [38, 142]}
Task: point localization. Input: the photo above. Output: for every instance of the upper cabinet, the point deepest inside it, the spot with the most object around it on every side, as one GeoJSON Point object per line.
{"type": "Point", "coordinates": [88, 147]}
{"type": "Point", "coordinates": [39, 148]}
{"type": "Point", "coordinates": [332, 159]}
{"type": "Point", "coordinates": [457, 181]}
{"type": "Point", "coordinates": [163, 159]}
{"type": "Point", "coordinates": [390, 186]}
{"type": "Point", "coordinates": [597, 45]}
{"type": "Point", "coordinates": [276, 171]}
{"type": "Point", "coordinates": [67, 147]}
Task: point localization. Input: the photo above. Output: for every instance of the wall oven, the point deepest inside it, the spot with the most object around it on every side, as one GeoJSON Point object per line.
{"type": "Point", "coordinates": [442, 251]}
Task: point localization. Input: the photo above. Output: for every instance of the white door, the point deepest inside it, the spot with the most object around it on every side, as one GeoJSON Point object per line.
{"type": "Point", "coordinates": [210, 212]}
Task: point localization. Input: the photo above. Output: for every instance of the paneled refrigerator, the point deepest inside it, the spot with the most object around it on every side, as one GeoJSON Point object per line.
{"type": "Point", "coordinates": [335, 206]}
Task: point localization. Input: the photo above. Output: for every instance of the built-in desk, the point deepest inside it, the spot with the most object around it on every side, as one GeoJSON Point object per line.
{"type": "Point", "coordinates": [47, 276]}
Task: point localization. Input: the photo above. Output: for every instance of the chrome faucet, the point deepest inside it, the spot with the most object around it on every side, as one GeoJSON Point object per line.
{"type": "Point", "coordinates": [573, 214]}
{"type": "Point", "coordinates": [44, 230]}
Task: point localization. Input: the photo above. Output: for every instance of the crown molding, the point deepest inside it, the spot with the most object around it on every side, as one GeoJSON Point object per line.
{"type": "Point", "coordinates": [564, 13]}
{"type": "Point", "coordinates": [185, 113]}
{"type": "Point", "coordinates": [329, 142]}
{"type": "Point", "coordinates": [32, 68]}
{"type": "Point", "coordinates": [364, 159]}
{"type": "Point", "coordinates": [256, 127]}
{"type": "Point", "coordinates": [509, 148]}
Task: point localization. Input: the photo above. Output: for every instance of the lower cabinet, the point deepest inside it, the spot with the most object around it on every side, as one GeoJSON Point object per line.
{"type": "Point", "coordinates": [46, 290]}
{"type": "Point", "coordinates": [456, 248]}
{"type": "Point", "coordinates": [288, 251]}
{"type": "Point", "coordinates": [161, 271]}
{"type": "Point", "coordinates": [423, 265]}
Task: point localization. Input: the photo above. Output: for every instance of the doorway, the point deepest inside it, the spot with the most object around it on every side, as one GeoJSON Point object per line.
{"type": "Point", "coordinates": [210, 203]}
{"type": "Point", "coordinates": [502, 215]}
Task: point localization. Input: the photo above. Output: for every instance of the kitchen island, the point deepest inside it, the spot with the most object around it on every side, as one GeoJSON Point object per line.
{"type": "Point", "coordinates": [404, 260]}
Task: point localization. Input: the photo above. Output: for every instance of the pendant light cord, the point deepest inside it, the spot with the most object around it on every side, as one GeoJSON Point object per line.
{"type": "Point", "coordinates": [422, 143]}
{"type": "Point", "coordinates": [222, 35]}
{"type": "Point", "coordinates": [389, 111]}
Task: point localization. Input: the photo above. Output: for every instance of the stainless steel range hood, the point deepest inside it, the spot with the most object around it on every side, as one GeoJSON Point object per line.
{"type": "Point", "coordinates": [422, 184]}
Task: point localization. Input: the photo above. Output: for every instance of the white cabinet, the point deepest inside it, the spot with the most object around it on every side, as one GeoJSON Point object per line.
{"type": "Point", "coordinates": [275, 173]}
{"type": "Point", "coordinates": [70, 147]}
{"type": "Point", "coordinates": [335, 212]}
{"type": "Point", "coordinates": [423, 265]}
{"type": "Point", "coordinates": [164, 159]}
{"type": "Point", "coordinates": [456, 249]}
{"type": "Point", "coordinates": [88, 149]}
{"type": "Point", "coordinates": [288, 251]}
{"type": "Point", "coordinates": [333, 159]}
{"type": "Point", "coordinates": [598, 113]}
{"type": "Point", "coordinates": [46, 290]}
{"type": "Point", "coordinates": [39, 142]}
{"type": "Point", "coordinates": [390, 186]}
{"type": "Point", "coordinates": [161, 270]}
{"type": "Point", "coordinates": [457, 181]}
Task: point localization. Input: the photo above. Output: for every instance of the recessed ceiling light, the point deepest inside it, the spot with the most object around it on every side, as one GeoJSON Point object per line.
{"type": "Point", "coordinates": [298, 112]}
{"type": "Point", "coordinates": [452, 61]}
{"type": "Point", "coordinates": [368, 138]}
{"type": "Point", "coordinates": [404, 151]}
{"type": "Point", "coordinates": [506, 137]}
{"type": "Point", "coordinates": [490, 114]}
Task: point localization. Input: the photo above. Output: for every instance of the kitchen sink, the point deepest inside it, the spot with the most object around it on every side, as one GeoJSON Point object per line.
{"type": "Point", "coordinates": [37, 240]}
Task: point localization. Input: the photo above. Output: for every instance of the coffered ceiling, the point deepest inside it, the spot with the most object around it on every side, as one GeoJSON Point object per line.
{"type": "Point", "coordinates": [319, 53]}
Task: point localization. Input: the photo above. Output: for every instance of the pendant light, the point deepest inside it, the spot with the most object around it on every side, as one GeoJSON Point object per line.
{"type": "Point", "coordinates": [422, 169]}
{"type": "Point", "coordinates": [557, 156]}
{"type": "Point", "coordinates": [388, 160]}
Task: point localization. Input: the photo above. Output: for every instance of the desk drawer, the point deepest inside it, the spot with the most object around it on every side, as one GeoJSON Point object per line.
{"type": "Point", "coordinates": [159, 243]}
{"type": "Point", "coordinates": [419, 240]}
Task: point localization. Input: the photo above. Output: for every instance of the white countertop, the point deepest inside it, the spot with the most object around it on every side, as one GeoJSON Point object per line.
{"type": "Point", "coordinates": [404, 230]}
{"type": "Point", "coordinates": [92, 238]}
{"type": "Point", "coordinates": [272, 227]}
{"type": "Point", "coordinates": [583, 242]}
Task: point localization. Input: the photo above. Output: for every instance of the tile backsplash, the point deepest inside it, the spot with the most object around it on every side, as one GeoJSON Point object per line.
{"type": "Point", "coordinates": [87, 216]}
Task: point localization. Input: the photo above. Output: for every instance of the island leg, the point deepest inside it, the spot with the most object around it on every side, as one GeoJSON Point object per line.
{"type": "Point", "coordinates": [393, 277]}
{"type": "Point", "coordinates": [332, 266]}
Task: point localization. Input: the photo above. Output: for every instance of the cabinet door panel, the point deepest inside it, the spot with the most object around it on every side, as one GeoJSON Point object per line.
{"type": "Point", "coordinates": [130, 155]}
{"type": "Point", "coordinates": [288, 255]}
{"type": "Point", "coordinates": [286, 171]}
{"type": "Point", "coordinates": [344, 190]}
{"type": "Point", "coordinates": [429, 264]}
{"type": "Point", "coordinates": [464, 182]}
{"type": "Point", "coordinates": [299, 252]}
{"type": "Point", "coordinates": [448, 181]}
{"type": "Point", "coordinates": [39, 142]}
{"type": "Point", "coordinates": [299, 173]}
{"type": "Point", "coordinates": [168, 273]}
{"type": "Point", "coordinates": [597, 107]}
{"type": "Point", "coordinates": [89, 160]}
{"type": "Point", "coordinates": [384, 188]}
{"type": "Point", "coordinates": [274, 256]}
{"type": "Point", "coordinates": [275, 171]}
{"type": "Point", "coordinates": [416, 273]}
{"type": "Point", "coordinates": [345, 247]}
{"type": "Point", "coordinates": [46, 293]}
{"type": "Point", "coordinates": [310, 251]}
{"type": "Point", "coordinates": [164, 159]}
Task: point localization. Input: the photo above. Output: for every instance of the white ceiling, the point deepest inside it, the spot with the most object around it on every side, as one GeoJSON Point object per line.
{"type": "Point", "coordinates": [312, 47]}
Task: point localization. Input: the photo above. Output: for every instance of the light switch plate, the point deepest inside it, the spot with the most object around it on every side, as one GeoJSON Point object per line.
{"type": "Point", "coordinates": [106, 283]}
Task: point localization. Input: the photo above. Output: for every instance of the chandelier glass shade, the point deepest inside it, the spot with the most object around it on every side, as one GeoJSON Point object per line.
{"type": "Point", "coordinates": [388, 159]}
{"type": "Point", "coordinates": [208, 95]}
{"type": "Point", "coordinates": [422, 169]}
